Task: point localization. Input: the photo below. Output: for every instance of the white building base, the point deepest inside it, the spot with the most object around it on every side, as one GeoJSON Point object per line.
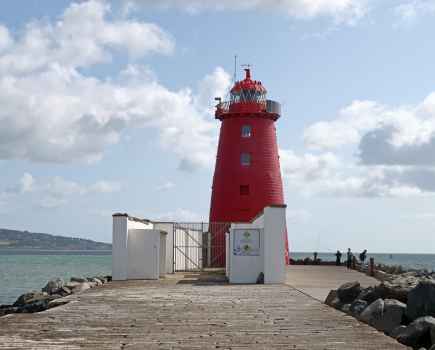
{"type": "Point", "coordinates": [257, 249]}
{"type": "Point", "coordinates": [138, 250]}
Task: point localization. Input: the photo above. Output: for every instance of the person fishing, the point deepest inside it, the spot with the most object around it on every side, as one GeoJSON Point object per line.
{"type": "Point", "coordinates": [338, 258]}
{"type": "Point", "coordinates": [349, 258]}
{"type": "Point", "coordinates": [363, 256]}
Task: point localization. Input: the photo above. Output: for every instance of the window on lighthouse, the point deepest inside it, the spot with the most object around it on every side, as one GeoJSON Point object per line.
{"type": "Point", "coordinates": [246, 131]}
{"type": "Point", "coordinates": [245, 159]}
{"type": "Point", "coordinates": [244, 190]}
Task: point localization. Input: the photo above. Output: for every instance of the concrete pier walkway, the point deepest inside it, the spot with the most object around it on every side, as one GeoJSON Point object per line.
{"type": "Point", "coordinates": [317, 281]}
{"type": "Point", "coordinates": [187, 312]}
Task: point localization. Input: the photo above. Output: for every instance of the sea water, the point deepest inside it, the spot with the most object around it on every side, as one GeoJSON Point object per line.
{"type": "Point", "coordinates": [22, 271]}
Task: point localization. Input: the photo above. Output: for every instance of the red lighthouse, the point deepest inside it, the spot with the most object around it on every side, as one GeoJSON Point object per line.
{"type": "Point", "coordinates": [247, 174]}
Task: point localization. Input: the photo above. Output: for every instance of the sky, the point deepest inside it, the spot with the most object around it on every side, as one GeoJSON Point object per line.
{"type": "Point", "coordinates": [107, 106]}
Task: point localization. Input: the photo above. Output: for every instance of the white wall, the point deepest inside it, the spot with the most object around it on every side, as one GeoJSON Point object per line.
{"type": "Point", "coordinates": [162, 255]}
{"type": "Point", "coordinates": [138, 250]}
{"type": "Point", "coordinates": [119, 247]}
{"type": "Point", "coordinates": [168, 227]}
{"type": "Point", "coordinates": [274, 232]}
{"type": "Point", "coordinates": [143, 254]}
{"type": "Point", "coordinates": [245, 269]}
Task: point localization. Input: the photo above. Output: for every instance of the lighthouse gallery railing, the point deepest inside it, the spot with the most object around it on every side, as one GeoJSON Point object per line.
{"type": "Point", "coordinates": [268, 106]}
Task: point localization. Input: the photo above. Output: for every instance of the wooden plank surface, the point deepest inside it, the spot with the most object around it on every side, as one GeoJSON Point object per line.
{"type": "Point", "coordinates": [186, 314]}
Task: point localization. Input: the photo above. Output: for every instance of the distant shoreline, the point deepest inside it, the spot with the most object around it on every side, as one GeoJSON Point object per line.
{"type": "Point", "coordinates": [34, 251]}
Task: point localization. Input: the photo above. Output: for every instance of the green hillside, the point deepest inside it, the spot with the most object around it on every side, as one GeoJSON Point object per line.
{"type": "Point", "coordinates": [13, 239]}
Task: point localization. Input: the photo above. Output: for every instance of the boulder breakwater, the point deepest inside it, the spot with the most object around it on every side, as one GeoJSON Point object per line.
{"type": "Point", "coordinates": [55, 293]}
{"type": "Point", "coordinates": [401, 305]}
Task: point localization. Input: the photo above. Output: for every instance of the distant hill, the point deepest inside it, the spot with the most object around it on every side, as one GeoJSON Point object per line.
{"type": "Point", "coordinates": [12, 239]}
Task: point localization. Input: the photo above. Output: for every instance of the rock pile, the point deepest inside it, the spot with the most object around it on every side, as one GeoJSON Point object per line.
{"type": "Point", "coordinates": [54, 294]}
{"type": "Point", "coordinates": [402, 307]}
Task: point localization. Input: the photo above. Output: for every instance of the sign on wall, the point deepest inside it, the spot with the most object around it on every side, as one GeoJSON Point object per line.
{"type": "Point", "coordinates": [246, 242]}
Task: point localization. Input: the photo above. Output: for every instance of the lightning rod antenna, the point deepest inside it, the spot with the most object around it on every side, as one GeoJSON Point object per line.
{"type": "Point", "coordinates": [235, 68]}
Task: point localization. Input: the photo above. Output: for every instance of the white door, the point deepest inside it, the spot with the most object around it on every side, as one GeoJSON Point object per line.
{"type": "Point", "coordinates": [143, 254]}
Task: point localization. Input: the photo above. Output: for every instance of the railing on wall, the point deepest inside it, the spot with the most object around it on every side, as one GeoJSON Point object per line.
{"type": "Point", "coordinates": [199, 245]}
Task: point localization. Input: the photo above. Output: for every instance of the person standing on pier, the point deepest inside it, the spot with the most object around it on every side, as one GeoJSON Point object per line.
{"type": "Point", "coordinates": [338, 258]}
{"type": "Point", "coordinates": [362, 256]}
{"type": "Point", "coordinates": [349, 258]}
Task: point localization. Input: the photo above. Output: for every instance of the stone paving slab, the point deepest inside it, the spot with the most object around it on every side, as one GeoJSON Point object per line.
{"type": "Point", "coordinates": [184, 314]}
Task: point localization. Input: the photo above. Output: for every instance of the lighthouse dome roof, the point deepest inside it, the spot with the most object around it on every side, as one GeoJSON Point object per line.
{"type": "Point", "coordinates": [248, 84]}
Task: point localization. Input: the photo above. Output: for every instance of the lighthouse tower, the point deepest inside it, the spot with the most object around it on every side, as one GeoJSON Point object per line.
{"type": "Point", "coordinates": [247, 174]}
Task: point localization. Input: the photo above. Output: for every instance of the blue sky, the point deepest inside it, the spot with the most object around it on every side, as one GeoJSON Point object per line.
{"type": "Point", "coordinates": [107, 106]}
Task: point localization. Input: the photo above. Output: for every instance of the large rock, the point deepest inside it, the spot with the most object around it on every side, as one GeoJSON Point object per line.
{"type": "Point", "coordinates": [373, 314]}
{"type": "Point", "coordinates": [418, 333]}
{"type": "Point", "coordinates": [7, 309]}
{"type": "Point", "coordinates": [33, 302]}
{"type": "Point", "coordinates": [397, 331]}
{"type": "Point", "coordinates": [103, 279]}
{"type": "Point", "coordinates": [394, 311]}
{"type": "Point", "coordinates": [97, 281]}
{"type": "Point", "coordinates": [53, 286]}
{"type": "Point", "coordinates": [72, 285]}
{"type": "Point", "coordinates": [58, 302]}
{"type": "Point", "coordinates": [346, 309]}
{"type": "Point", "coordinates": [81, 287]}
{"type": "Point", "coordinates": [387, 290]}
{"type": "Point", "coordinates": [36, 306]}
{"type": "Point", "coordinates": [30, 297]}
{"type": "Point", "coordinates": [331, 296]}
{"type": "Point", "coordinates": [369, 295]}
{"type": "Point", "coordinates": [333, 300]}
{"type": "Point", "coordinates": [357, 307]}
{"type": "Point", "coordinates": [78, 279]}
{"type": "Point", "coordinates": [421, 300]}
{"type": "Point", "coordinates": [64, 291]}
{"type": "Point", "coordinates": [348, 292]}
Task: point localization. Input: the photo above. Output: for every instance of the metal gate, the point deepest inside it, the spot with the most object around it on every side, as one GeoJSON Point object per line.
{"type": "Point", "coordinates": [199, 245]}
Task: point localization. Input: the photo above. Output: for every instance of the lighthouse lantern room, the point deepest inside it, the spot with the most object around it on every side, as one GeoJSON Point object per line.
{"type": "Point", "coordinates": [247, 175]}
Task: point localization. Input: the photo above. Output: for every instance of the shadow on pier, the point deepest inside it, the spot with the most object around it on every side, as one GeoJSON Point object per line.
{"type": "Point", "coordinates": [206, 277]}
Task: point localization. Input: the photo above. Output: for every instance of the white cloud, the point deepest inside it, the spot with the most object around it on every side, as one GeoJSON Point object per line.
{"type": "Point", "coordinates": [51, 202]}
{"type": "Point", "coordinates": [180, 215]}
{"type": "Point", "coordinates": [403, 135]}
{"type": "Point", "coordinates": [347, 128]}
{"type": "Point", "coordinates": [81, 37]}
{"type": "Point", "coordinates": [5, 38]}
{"type": "Point", "coordinates": [104, 187]}
{"type": "Point", "coordinates": [341, 11]}
{"type": "Point", "coordinates": [409, 12]}
{"type": "Point", "coordinates": [326, 175]}
{"type": "Point", "coordinates": [394, 151]}
{"type": "Point", "coordinates": [56, 191]}
{"type": "Point", "coordinates": [166, 186]}
{"type": "Point", "coordinates": [76, 116]}
{"type": "Point", "coordinates": [298, 216]}
{"type": "Point", "coordinates": [424, 216]}
{"type": "Point", "coordinates": [27, 182]}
